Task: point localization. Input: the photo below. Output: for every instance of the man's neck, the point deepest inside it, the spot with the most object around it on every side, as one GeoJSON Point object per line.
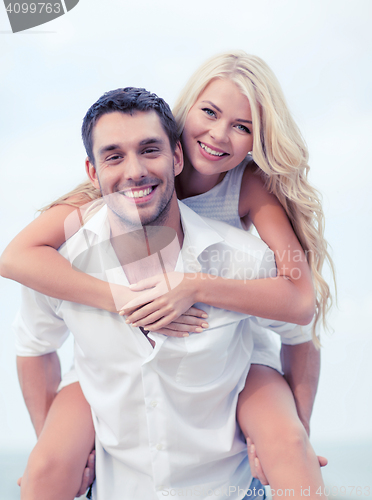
{"type": "Point", "coordinates": [148, 250]}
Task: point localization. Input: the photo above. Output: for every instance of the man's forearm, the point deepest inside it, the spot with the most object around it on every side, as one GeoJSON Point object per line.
{"type": "Point", "coordinates": [301, 367]}
{"type": "Point", "coordinates": [39, 378]}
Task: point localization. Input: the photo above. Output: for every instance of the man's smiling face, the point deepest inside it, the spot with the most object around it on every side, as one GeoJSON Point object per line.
{"type": "Point", "coordinates": [135, 166]}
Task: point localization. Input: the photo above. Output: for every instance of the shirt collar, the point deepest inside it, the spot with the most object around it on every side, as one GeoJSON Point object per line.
{"type": "Point", "coordinates": [198, 235]}
{"type": "Point", "coordinates": [98, 226]}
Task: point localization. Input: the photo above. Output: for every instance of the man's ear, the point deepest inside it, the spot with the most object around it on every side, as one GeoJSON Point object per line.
{"type": "Point", "coordinates": [178, 159]}
{"type": "Point", "coordinates": [92, 174]}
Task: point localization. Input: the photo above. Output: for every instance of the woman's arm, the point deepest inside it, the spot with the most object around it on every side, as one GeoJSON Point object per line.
{"type": "Point", "coordinates": [294, 288]}
{"type": "Point", "coordinates": [288, 297]}
{"type": "Point", "coordinates": [31, 259]}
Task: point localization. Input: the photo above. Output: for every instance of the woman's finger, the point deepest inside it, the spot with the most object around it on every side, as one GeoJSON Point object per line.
{"type": "Point", "coordinates": [185, 327]}
{"type": "Point", "coordinates": [142, 299]}
{"type": "Point", "coordinates": [168, 332]}
{"type": "Point", "coordinates": [142, 312]}
{"type": "Point", "coordinates": [194, 311]}
{"type": "Point", "coordinates": [147, 283]}
{"type": "Point", "coordinates": [140, 317]}
{"type": "Point", "coordinates": [187, 320]}
{"type": "Point", "coordinates": [145, 319]}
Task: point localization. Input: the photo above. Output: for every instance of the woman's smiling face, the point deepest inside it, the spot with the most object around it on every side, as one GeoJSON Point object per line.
{"type": "Point", "coordinates": [218, 130]}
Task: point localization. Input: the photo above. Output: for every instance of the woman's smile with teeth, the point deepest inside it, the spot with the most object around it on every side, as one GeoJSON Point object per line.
{"type": "Point", "coordinates": [138, 194]}
{"type": "Point", "coordinates": [211, 151]}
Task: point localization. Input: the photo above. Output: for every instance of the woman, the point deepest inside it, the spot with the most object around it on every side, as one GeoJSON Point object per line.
{"type": "Point", "coordinates": [232, 106]}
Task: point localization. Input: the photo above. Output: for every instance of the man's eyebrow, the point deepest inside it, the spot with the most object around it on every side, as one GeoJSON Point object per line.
{"type": "Point", "coordinates": [151, 140]}
{"type": "Point", "coordinates": [144, 142]}
{"type": "Point", "coordinates": [106, 149]}
{"type": "Point", "coordinates": [218, 109]}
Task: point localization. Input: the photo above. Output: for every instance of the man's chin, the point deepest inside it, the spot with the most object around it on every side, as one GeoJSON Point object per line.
{"type": "Point", "coordinates": [137, 215]}
{"type": "Point", "coordinates": [137, 218]}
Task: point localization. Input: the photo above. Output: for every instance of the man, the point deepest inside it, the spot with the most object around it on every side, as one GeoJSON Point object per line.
{"type": "Point", "coordinates": [163, 407]}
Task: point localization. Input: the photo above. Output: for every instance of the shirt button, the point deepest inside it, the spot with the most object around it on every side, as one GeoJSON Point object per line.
{"type": "Point", "coordinates": [159, 447]}
{"type": "Point", "coordinates": [153, 404]}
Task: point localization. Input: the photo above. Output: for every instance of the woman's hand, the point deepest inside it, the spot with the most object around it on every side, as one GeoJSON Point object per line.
{"type": "Point", "coordinates": [166, 299]}
{"type": "Point", "coordinates": [192, 321]}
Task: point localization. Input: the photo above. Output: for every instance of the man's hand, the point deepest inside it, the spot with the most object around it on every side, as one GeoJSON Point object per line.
{"type": "Point", "coordinates": [89, 474]}
{"type": "Point", "coordinates": [255, 465]}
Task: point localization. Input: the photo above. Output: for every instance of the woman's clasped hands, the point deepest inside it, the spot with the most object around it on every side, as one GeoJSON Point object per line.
{"type": "Point", "coordinates": [165, 305]}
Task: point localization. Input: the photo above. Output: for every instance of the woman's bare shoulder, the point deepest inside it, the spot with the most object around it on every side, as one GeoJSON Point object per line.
{"type": "Point", "coordinates": [253, 185]}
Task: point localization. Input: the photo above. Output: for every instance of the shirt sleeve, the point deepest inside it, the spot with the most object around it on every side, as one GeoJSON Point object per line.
{"type": "Point", "coordinates": [38, 329]}
{"type": "Point", "coordinates": [68, 378]}
{"type": "Point", "coordinates": [290, 333]}
{"type": "Point", "coordinates": [266, 346]}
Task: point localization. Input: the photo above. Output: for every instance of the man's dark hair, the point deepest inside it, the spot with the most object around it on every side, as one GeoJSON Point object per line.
{"type": "Point", "coordinates": [128, 100]}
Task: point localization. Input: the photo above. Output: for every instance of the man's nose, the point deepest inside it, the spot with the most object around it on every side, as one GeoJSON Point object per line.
{"type": "Point", "coordinates": [135, 168]}
{"type": "Point", "coordinates": [220, 132]}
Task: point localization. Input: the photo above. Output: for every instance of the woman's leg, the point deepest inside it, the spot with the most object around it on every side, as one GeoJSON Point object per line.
{"type": "Point", "coordinates": [267, 414]}
{"type": "Point", "coordinates": [56, 464]}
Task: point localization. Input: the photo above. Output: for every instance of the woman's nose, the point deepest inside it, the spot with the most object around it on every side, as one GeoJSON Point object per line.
{"type": "Point", "coordinates": [219, 132]}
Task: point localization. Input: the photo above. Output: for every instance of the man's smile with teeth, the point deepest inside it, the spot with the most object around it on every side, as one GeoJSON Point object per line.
{"type": "Point", "coordinates": [138, 194]}
{"type": "Point", "coordinates": [211, 151]}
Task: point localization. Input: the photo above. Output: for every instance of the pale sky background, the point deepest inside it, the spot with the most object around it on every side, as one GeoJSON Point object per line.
{"type": "Point", "coordinates": [321, 53]}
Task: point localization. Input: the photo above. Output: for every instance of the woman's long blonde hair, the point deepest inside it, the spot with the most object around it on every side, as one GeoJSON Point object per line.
{"type": "Point", "coordinates": [278, 150]}
{"type": "Point", "coordinates": [85, 197]}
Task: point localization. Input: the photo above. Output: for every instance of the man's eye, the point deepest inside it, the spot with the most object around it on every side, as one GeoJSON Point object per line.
{"type": "Point", "coordinates": [150, 150]}
{"type": "Point", "coordinates": [243, 128]}
{"type": "Point", "coordinates": [113, 158]}
{"type": "Point", "coordinates": [209, 111]}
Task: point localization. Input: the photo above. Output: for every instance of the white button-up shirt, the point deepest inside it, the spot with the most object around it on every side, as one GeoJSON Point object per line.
{"type": "Point", "coordinates": [164, 416]}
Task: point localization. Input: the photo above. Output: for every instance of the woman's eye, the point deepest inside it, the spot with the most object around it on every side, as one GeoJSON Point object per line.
{"type": "Point", "coordinates": [209, 111]}
{"type": "Point", "coordinates": [243, 128]}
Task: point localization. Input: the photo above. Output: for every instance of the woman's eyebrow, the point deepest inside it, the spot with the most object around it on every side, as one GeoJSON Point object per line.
{"type": "Point", "coordinates": [244, 121]}
{"type": "Point", "coordinates": [212, 104]}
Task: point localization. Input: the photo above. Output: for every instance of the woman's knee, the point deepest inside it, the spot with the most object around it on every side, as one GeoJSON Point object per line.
{"type": "Point", "coordinates": [290, 442]}
{"type": "Point", "coordinates": [49, 467]}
